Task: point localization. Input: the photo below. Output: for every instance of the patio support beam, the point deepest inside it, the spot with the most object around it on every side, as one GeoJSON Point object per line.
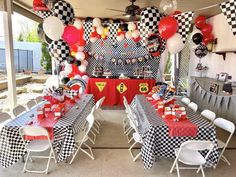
{"type": "Point", "coordinates": [10, 65]}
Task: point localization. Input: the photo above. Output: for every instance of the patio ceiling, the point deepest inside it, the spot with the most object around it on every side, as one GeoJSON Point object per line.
{"type": "Point", "coordinates": [95, 8]}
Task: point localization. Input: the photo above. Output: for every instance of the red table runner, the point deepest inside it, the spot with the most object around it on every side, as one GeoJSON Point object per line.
{"type": "Point", "coordinates": [115, 89]}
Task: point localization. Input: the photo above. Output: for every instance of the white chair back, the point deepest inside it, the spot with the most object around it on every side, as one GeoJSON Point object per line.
{"type": "Point", "coordinates": [4, 116]}
{"type": "Point", "coordinates": [31, 104]}
{"type": "Point", "coordinates": [185, 100]}
{"type": "Point", "coordinates": [90, 120]}
{"type": "Point", "coordinates": [39, 99]}
{"type": "Point", "coordinates": [33, 131]}
{"type": "Point", "coordinates": [100, 102]}
{"type": "Point", "coordinates": [208, 114]}
{"type": "Point", "coordinates": [18, 110]}
{"type": "Point", "coordinates": [193, 106]}
{"type": "Point", "coordinates": [225, 125]}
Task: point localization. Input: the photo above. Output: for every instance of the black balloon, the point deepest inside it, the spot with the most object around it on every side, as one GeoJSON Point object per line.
{"type": "Point", "coordinates": [77, 63]}
{"type": "Point", "coordinates": [88, 19]}
{"type": "Point", "coordinates": [40, 30]}
{"type": "Point", "coordinates": [201, 51]}
{"type": "Point", "coordinates": [70, 60]}
{"type": "Point", "coordinates": [197, 38]}
{"type": "Point", "coordinates": [46, 39]}
{"type": "Point", "coordinates": [124, 27]}
{"type": "Point", "coordinates": [64, 80]}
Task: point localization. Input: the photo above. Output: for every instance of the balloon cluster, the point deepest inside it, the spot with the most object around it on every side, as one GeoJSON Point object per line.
{"type": "Point", "coordinates": [131, 32]}
{"type": "Point", "coordinates": [65, 37]}
{"type": "Point", "coordinates": [206, 35]}
{"type": "Point", "coordinates": [99, 31]}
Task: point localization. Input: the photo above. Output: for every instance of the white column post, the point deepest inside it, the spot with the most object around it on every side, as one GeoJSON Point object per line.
{"type": "Point", "coordinates": [9, 53]}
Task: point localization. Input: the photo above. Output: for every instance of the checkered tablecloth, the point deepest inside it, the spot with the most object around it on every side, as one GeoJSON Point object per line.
{"type": "Point", "coordinates": [157, 142]}
{"type": "Point", "coordinates": [12, 146]}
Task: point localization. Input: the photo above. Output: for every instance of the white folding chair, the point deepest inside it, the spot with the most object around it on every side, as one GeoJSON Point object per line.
{"type": "Point", "coordinates": [126, 125]}
{"type": "Point", "coordinates": [4, 119]}
{"type": "Point", "coordinates": [18, 110]}
{"type": "Point", "coordinates": [93, 128]}
{"type": "Point", "coordinates": [30, 104]}
{"type": "Point", "coordinates": [82, 137]}
{"type": "Point", "coordinates": [36, 146]}
{"type": "Point", "coordinates": [208, 115]}
{"type": "Point", "coordinates": [189, 154]}
{"type": "Point", "coordinates": [135, 136]}
{"type": "Point", "coordinates": [193, 106]}
{"type": "Point", "coordinates": [229, 127]}
{"type": "Point", "coordinates": [39, 99]}
{"type": "Point", "coordinates": [185, 100]}
{"type": "Point", "coordinates": [98, 114]}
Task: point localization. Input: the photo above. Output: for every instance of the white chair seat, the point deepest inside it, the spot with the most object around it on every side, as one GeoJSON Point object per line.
{"type": "Point", "coordinates": [4, 123]}
{"type": "Point", "coordinates": [137, 138]}
{"type": "Point", "coordinates": [79, 137]}
{"type": "Point", "coordinates": [190, 157]}
{"type": "Point", "coordinates": [220, 143]}
{"type": "Point", "coordinates": [38, 145]}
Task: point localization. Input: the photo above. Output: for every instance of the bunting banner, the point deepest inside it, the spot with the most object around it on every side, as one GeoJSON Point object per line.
{"type": "Point", "coordinates": [196, 86]}
{"type": "Point", "coordinates": [213, 99]}
{"type": "Point", "coordinates": [203, 94]}
{"type": "Point", "coordinates": [208, 97]}
{"type": "Point", "coordinates": [219, 101]}
{"type": "Point", "coordinates": [184, 21]}
{"type": "Point", "coordinates": [229, 10]}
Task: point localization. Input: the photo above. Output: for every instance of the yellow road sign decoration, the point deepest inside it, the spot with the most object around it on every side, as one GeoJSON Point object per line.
{"type": "Point", "coordinates": [101, 85]}
{"type": "Point", "coordinates": [143, 87]}
{"type": "Point", "coordinates": [121, 87]}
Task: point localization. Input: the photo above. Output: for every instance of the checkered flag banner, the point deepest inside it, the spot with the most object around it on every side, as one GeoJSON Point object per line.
{"type": "Point", "coordinates": [59, 50]}
{"type": "Point", "coordinates": [229, 10]}
{"type": "Point", "coordinates": [88, 27]}
{"type": "Point", "coordinates": [184, 21]}
{"type": "Point", "coordinates": [113, 28]}
{"type": "Point", "coordinates": [43, 14]}
{"type": "Point", "coordinates": [64, 11]}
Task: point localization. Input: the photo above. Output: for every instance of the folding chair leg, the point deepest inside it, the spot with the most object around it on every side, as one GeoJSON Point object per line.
{"type": "Point", "coordinates": [96, 130]}
{"type": "Point", "coordinates": [225, 160]}
{"type": "Point", "coordinates": [177, 168]}
{"type": "Point", "coordinates": [90, 149]}
{"type": "Point", "coordinates": [74, 154]}
{"type": "Point", "coordinates": [130, 150]}
{"type": "Point", "coordinates": [26, 161]}
{"type": "Point", "coordinates": [173, 166]}
{"type": "Point", "coordinates": [127, 130]}
{"type": "Point", "coordinates": [203, 174]}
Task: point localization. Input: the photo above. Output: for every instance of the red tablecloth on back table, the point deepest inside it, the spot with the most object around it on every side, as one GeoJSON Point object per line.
{"type": "Point", "coordinates": [115, 89]}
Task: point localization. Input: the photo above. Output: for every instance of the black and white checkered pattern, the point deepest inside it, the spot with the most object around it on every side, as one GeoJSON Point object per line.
{"type": "Point", "coordinates": [43, 14]}
{"type": "Point", "coordinates": [59, 50]}
{"type": "Point", "coordinates": [150, 18]}
{"type": "Point", "coordinates": [113, 28]}
{"type": "Point", "coordinates": [229, 10]}
{"type": "Point", "coordinates": [64, 11]}
{"type": "Point", "coordinates": [88, 27]}
{"type": "Point", "coordinates": [12, 146]}
{"type": "Point", "coordinates": [157, 142]}
{"type": "Point", "coordinates": [184, 22]}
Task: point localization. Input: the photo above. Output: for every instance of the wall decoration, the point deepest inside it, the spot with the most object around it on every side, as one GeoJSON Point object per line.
{"type": "Point", "coordinates": [201, 51]}
{"type": "Point", "coordinates": [229, 8]}
{"type": "Point", "coordinates": [214, 88]}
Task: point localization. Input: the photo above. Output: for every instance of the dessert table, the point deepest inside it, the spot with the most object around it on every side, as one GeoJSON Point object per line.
{"type": "Point", "coordinates": [155, 132]}
{"type": "Point", "coordinates": [12, 146]}
{"type": "Point", "coordinates": [115, 89]}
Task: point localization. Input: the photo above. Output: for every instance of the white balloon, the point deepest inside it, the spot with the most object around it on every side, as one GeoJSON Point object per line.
{"type": "Point", "coordinates": [80, 48]}
{"type": "Point", "coordinates": [128, 35]}
{"type": "Point", "coordinates": [96, 22]}
{"type": "Point", "coordinates": [120, 37]}
{"type": "Point", "coordinates": [80, 56]}
{"type": "Point", "coordinates": [175, 43]}
{"type": "Point", "coordinates": [78, 24]}
{"type": "Point", "coordinates": [82, 68]}
{"type": "Point", "coordinates": [135, 34]}
{"type": "Point", "coordinates": [53, 27]}
{"type": "Point", "coordinates": [93, 39]}
{"type": "Point", "coordinates": [131, 26]}
{"type": "Point", "coordinates": [77, 76]}
{"type": "Point", "coordinates": [85, 77]}
{"type": "Point", "coordinates": [168, 7]}
{"type": "Point", "coordinates": [52, 82]}
{"type": "Point", "coordinates": [63, 74]}
{"type": "Point", "coordinates": [68, 68]}
{"type": "Point", "coordinates": [100, 30]}
{"type": "Point", "coordinates": [84, 62]}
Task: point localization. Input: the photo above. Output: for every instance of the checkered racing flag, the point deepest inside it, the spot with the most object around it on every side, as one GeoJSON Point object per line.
{"type": "Point", "coordinates": [229, 10]}
{"type": "Point", "coordinates": [43, 14]}
{"type": "Point", "coordinates": [113, 28]}
{"type": "Point", "coordinates": [88, 27]}
{"type": "Point", "coordinates": [64, 11]}
{"type": "Point", "coordinates": [184, 22]}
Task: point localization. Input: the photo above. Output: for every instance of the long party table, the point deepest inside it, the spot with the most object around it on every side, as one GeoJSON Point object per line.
{"type": "Point", "coordinates": [157, 142]}
{"type": "Point", "coordinates": [115, 89]}
{"type": "Point", "coordinates": [12, 147]}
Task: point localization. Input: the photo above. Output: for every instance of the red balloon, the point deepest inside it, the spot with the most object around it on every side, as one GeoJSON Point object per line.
{"type": "Point", "coordinates": [208, 38]}
{"type": "Point", "coordinates": [177, 12]}
{"type": "Point", "coordinates": [167, 27]}
{"type": "Point", "coordinates": [81, 42]}
{"type": "Point", "coordinates": [206, 29]}
{"type": "Point", "coordinates": [71, 35]}
{"type": "Point", "coordinates": [200, 21]}
{"type": "Point", "coordinates": [38, 5]}
{"type": "Point", "coordinates": [74, 48]}
{"type": "Point", "coordinates": [136, 40]}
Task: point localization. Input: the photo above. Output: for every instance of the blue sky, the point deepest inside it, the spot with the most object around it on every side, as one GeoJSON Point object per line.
{"type": "Point", "coordinates": [20, 24]}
